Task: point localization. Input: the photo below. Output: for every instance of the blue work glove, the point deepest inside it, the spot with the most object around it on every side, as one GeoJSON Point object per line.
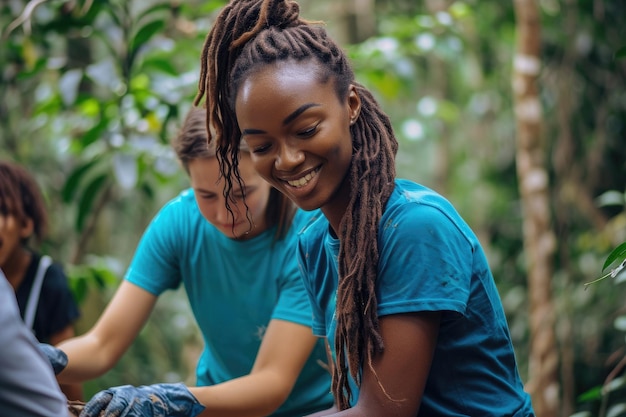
{"type": "Point", "coordinates": [57, 358]}
{"type": "Point", "coordinates": [158, 400]}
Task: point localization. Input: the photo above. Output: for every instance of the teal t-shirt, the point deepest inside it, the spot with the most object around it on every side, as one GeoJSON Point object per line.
{"type": "Point", "coordinates": [430, 260]}
{"type": "Point", "coordinates": [235, 288]}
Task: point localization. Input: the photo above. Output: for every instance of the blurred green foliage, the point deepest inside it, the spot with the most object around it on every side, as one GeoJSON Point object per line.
{"type": "Point", "coordinates": [92, 92]}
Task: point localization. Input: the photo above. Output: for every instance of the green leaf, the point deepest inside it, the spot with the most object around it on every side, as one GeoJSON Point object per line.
{"type": "Point", "coordinates": [93, 134]}
{"type": "Point", "coordinates": [147, 190]}
{"type": "Point", "coordinates": [79, 288]}
{"type": "Point", "coordinates": [619, 253]}
{"type": "Point", "coordinates": [621, 53]}
{"type": "Point", "coordinates": [161, 64]}
{"type": "Point", "coordinates": [153, 9]}
{"type": "Point", "coordinates": [104, 277]}
{"type": "Point", "coordinates": [86, 201]}
{"type": "Point", "coordinates": [144, 35]}
{"type": "Point", "coordinates": [115, 13]}
{"type": "Point", "coordinates": [594, 393]}
{"type": "Point", "coordinates": [108, 42]}
{"type": "Point", "coordinates": [72, 183]}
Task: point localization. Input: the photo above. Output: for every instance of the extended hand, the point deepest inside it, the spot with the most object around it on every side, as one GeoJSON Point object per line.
{"type": "Point", "coordinates": [57, 358]}
{"type": "Point", "coordinates": [159, 400]}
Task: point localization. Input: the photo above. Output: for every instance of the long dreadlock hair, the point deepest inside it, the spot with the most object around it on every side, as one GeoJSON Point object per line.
{"type": "Point", "coordinates": [191, 143]}
{"type": "Point", "coordinates": [249, 34]}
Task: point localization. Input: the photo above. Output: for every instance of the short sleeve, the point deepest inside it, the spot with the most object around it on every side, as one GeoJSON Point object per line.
{"type": "Point", "coordinates": [317, 315]}
{"type": "Point", "coordinates": [293, 302]}
{"type": "Point", "coordinates": [426, 261]}
{"type": "Point", "coordinates": [155, 264]}
{"type": "Point", "coordinates": [310, 280]}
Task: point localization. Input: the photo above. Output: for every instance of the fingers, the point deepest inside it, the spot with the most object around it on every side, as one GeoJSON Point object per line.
{"type": "Point", "coordinates": [97, 404]}
{"type": "Point", "coordinates": [159, 400]}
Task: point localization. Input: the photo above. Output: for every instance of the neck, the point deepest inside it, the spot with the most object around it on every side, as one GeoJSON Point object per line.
{"type": "Point", "coordinates": [16, 265]}
{"type": "Point", "coordinates": [336, 210]}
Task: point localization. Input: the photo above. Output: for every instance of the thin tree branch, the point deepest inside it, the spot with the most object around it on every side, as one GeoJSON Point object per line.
{"type": "Point", "coordinates": [24, 19]}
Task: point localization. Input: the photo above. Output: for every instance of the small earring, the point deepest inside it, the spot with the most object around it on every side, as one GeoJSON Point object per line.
{"type": "Point", "coordinates": [352, 121]}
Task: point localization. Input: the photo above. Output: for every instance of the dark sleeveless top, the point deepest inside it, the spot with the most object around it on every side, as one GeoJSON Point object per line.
{"type": "Point", "coordinates": [56, 307]}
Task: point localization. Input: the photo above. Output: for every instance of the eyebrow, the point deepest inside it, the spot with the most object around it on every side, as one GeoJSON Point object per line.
{"type": "Point", "coordinates": [202, 190]}
{"type": "Point", "coordinates": [245, 189]}
{"type": "Point", "coordinates": [290, 118]}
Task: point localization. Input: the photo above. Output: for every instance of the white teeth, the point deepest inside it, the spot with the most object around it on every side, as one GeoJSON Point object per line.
{"type": "Point", "coordinates": [302, 181]}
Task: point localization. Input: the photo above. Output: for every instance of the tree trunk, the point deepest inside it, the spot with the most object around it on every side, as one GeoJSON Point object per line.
{"type": "Point", "coordinates": [539, 241]}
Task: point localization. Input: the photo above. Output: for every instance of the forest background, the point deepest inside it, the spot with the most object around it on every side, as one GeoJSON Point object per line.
{"type": "Point", "coordinates": [514, 110]}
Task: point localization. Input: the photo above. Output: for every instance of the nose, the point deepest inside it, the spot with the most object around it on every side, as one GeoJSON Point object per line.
{"type": "Point", "coordinates": [289, 157]}
{"type": "Point", "coordinates": [222, 215]}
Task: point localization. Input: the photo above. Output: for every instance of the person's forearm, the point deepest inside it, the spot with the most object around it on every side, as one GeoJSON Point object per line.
{"type": "Point", "coordinates": [87, 359]}
{"type": "Point", "coordinates": [73, 392]}
{"type": "Point", "coordinates": [98, 350]}
{"type": "Point", "coordinates": [254, 395]}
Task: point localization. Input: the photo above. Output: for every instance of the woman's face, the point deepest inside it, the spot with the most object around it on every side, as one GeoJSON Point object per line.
{"type": "Point", "coordinates": [298, 132]}
{"type": "Point", "coordinates": [209, 192]}
{"type": "Point", "coordinates": [12, 231]}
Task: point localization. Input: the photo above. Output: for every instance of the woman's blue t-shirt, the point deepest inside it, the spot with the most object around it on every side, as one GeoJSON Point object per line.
{"type": "Point", "coordinates": [235, 288]}
{"type": "Point", "coordinates": [430, 260]}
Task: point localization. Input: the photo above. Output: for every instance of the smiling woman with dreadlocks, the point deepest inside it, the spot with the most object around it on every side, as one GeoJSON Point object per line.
{"type": "Point", "coordinates": [399, 284]}
{"type": "Point", "coordinates": [238, 266]}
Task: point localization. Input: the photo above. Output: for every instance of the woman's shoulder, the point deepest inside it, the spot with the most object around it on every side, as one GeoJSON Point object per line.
{"type": "Point", "coordinates": [411, 197]}
{"type": "Point", "coordinates": [413, 207]}
{"type": "Point", "coordinates": [183, 207]}
{"type": "Point", "coordinates": [407, 191]}
{"type": "Point", "coordinates": [185, 200]}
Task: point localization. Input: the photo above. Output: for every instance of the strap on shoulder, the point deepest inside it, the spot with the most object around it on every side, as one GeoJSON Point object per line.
{"type": "Point", "coordinates": [35, 291]}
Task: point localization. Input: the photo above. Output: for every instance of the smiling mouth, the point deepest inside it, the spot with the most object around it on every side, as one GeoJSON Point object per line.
{"type": "Point", "coordinates": [301, 182]}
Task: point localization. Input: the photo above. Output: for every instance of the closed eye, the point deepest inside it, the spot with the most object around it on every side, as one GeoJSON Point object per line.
{"type": "Point", "coordinates": [207, 196]}
{"type": "Point", "coordinates": [260, 149]}
{"type": "Point", "coordinates": [239, 195]}
{"type": "Point", "coordinates": [307, 133]}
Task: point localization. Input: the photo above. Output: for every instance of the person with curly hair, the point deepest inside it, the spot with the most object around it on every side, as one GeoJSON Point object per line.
{"type": "Point", "coordinates": [44, 297]}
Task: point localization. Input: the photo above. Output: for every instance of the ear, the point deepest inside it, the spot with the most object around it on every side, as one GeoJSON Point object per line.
{"type": "Point", "coordinates": [28, 227]}
{"type": "Point", "coordinates": [354, 104]}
